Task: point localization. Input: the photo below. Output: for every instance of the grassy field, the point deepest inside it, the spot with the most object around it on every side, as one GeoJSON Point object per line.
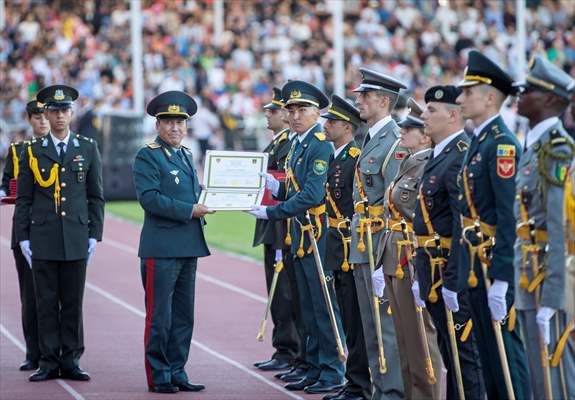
{"type": "Point", "coordinates": [230, 231]}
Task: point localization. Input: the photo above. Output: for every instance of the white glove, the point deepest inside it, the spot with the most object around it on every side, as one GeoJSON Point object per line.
{"type": "Point", "coordinates": [544, 315]}
{"type": "Point", "coordinates": [2, 193]}
{"type": "Point", "coordinates": [450, 299]}
{"type": "Point", "coordinates": [496, 299]}
{"type": "Point", "coordinates": [272, 184]}
{"type": "Point", "coordinates": [415, 290]}
{"type": "Point", "coordinates": [26, 251]}
{"type": "Point", "coordinates": [91, 247]}
{"type": "Point", "coordinates": [378, 281]}
{"type": "Point", "coordinates": [279, 255]}
{"type": "Point", "coordinates": [260, 212]}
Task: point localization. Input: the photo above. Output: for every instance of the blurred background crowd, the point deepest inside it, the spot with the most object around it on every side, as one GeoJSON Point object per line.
{"type": "Point", "coordinates": [86, 44]}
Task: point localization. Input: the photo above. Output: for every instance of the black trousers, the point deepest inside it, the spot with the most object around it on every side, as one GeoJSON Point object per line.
{"type": "Point", "coordinates": [357, 366]}
{"type": "Point", "coordinates": [28, 302]}
{"type": "Point", "coordinates": [473, 383]}
{"type": "Point", "coordinates": [59, 288]}
{"type": "Point", "coordinates": [287, 335]}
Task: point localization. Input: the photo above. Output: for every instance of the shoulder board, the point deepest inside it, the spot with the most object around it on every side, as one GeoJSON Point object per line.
{"type": "Point", "coordinates": [283, 136]}
{"type": "Point", "coordinates": [87, 139]}
{"type": "Point", "coordinates": [16, 144]}
{"type": "Point", "coordinates": [483, 136]}
{"type": "Point", "coordinates": [320, 136]}
{"type": "Point", "coordinates": [462, 146]}
{"type": "Point", "coordinates": [154, 145]}
{"type": "Point", "coordinates": [354, 152]}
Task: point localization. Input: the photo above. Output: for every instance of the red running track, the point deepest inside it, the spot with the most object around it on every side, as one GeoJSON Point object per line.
{"type": "Point", "coordinates": [230, 301]}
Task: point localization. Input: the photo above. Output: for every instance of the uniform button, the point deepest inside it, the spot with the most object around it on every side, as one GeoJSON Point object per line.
{"type": "Point", "coordinates": [80, 169]}
{"type": "Point", "coordinates": [460, 197]}
{"type": "Point", "coordinates": [63, 169]}
{"type": "Point", "coordinates": [63, 184]}
{"type": "Point", "coordinates": [471, 174]}
{"type": "Point", "coordinates": [63, 213]}
{"type": "Point", "coordinates": [367, 171]}
{"type": "Point", "coordinates": [63, 199]}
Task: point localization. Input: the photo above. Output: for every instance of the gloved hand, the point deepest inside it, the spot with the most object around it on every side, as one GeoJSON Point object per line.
{"type": "Point", "coordinates": [279, 255]}
{"type": "Point", "coordinates": [544, 315]}
{"type": "Point", "coordinates": [378, 281]}
{"type": "Point", "coordinates": [2, 193]}
{"type": "Point", "coordinates": [450, 299]}
{"type": "Point", "coordinates": [26, 251]}
{"type": "Point", "coordinates": [91, 247]}
{"type": "Point", "coordinates": [496, 299]}
{"type": "Point", "coordinates": [415, 290]}
{"type": "Point", "coordinates": [272, 184]}
{"type": "Point", "coordinates": [260, 212]}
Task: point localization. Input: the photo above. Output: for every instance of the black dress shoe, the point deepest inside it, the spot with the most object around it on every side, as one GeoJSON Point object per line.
{"type": "Point", "coordinates": [43, 374]}
{"type": "Point", "coordinates": [323, 387]}
{"type": "Point", "coordinates": [301, 384]}
{"type": "Point", "coordinates": [189, 386]}
{"type": "Point", "coordinates": [282, 373]}
{"type": "Point", "coordinates": [75, 374]}
{"type": "Point", "coordinates": [275, 365]}
{"type": "Point", "coordinates": [332, 396]}
{"type": "Point", "coordinates": [163, 388]}
{"type": "Point", "coordinates": [295, 376]}
{"type": "Point", "coordinates": [258, 363]}
{"type": "Point", "coordinates": [28, 365]}
{"type": "Point", "coordinates": [346, 395]}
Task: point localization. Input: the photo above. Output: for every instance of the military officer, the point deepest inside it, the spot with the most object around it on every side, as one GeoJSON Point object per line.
{"type": "Point", "coordinates": [487, 190]}
{"type": "Point", "coordinates": [342, 121]}
{"type": "Point", "coordinates": [59, 218]}
{"type": "Point", "coordinates": [304, 192]}
{"type": "Point", "coordinates": [375, 169]}
{"type": "Point", "coordinates": [395, 252]}
{"type": "Point", "coordinates": [285, 337]}
{"type": "Point", "coordinates": [171, 241]}
{"type": "Point", "coordinates": [40, 128]}
{"type": "Point", "coordinates": [540, 246]}
{"type": "Point", "coordinates": [437, 213]}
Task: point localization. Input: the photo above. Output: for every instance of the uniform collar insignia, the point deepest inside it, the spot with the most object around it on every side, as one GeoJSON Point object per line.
{"type": "Point", "coordinates": [76, 142]}
{"type": "Point", "coordinates": [44, 142]}
{"type": "Point", "coordinates": [174, 172]}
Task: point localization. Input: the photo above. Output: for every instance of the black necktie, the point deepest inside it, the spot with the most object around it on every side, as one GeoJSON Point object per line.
{"type": "Point", "coordinates": [62, 145]}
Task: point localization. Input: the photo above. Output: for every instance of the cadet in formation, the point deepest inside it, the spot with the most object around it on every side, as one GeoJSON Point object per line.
{"type": "Point", "coordinates": [171, 241]}
{"type": "Point", "coordinates": [59, 218]}
{"type": "Point", "coordinates": [40, 128]}
{"type": "Point", "coordinates": [342, 122]}
{"type": "Point", "coordinates": [437, 230]}
{"type": "Point", "coordinates": [540, 247]}
{"type": "Point", "coordinates": [487, 190]}
{"type": "Point", "coordinates": [416, 333]}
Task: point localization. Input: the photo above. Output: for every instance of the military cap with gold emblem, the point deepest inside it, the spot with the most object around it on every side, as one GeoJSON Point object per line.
{"type": "Point", "coordinates": [413, 117]}
{"type": "Point", "coordinates": [545, 76]}
{"type": "Point", "coordinates": [442, 94]}
{"type": "Point", "coordinates": [277, 100]}
{"type": "Point", "coordinates": [172, 104]}
{"type": "Point", "coordinates": [340, 109]}
{"type": "Point", "coordinates": [57, 96]}
{"type": "Point", "coordinates": [372, 80]}
{"type": "Point", "coordinates": [303, 93]}
{"type": "Point", "coordinates": [481, 70]}
{"type": "Point", "coordinates": [34, 107]}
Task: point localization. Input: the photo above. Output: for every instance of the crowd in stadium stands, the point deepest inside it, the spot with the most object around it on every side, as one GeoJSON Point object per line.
{"type": "Point", "coordinates": [86, 44]}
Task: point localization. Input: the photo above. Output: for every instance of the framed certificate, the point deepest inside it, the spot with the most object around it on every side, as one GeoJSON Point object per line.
{"type": "Point", "coordinates": [232, 181]}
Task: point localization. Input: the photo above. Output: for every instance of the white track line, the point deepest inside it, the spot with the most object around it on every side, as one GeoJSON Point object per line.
{"type": "Point", "coordinates": [20, 345]}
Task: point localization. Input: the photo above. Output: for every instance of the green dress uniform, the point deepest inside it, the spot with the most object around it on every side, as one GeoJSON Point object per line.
{"type": "Point", "coordinates": [170, 243]}
{"type": "Point", "coordinates": [540, 183]}
{"type": "Point", "coordinates": [304, 192]}
{"type": "Point", "coordinates": [339, 206]}
{"type": "Point", "coordinates": [375, 168]}
{"type": "Point", "coordinates": [400, 201]}
{"type": "Point", "coordinates": [487, 191]}
{"type": "Point", "coordinates": [60, 205]}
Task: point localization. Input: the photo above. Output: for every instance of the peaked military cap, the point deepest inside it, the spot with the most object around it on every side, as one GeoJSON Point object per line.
{"type": "Point", "coordinates": [172, 104]}
{"type": "Point", "coordinates": [300, 92]}
{"type": "Point", "coordinates": [413, 118]}
{"type": "Point", "coordinates": [277, 100]}
{"type": "Point", "coordinates": [341, 110]}
{"type": "Point", "coordinates": [544, 75]}
{"type": "Point", "coordinates": [442, 94]}
{"type": "Point", "coordinates": [372, 80]}
{"type": "Point", "coordinates": [34, 107]}
{"type": "Point", "coordinates": [57, 96]}
{"type": "Point", "coordinates": [481, 70]}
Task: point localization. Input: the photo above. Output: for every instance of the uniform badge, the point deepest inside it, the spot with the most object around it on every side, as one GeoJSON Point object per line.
{"type": "Point", "coordinates": [369, 180]}
{"type": "Point", "coordinates": [432, 179]}
{"type": "Point", "coordinates": [561, 173]}
{"type": "Point", "coordinates": [429, 202]}
{"type": "Point", "coordinates": [337, 193]}
{"type": "Point", "coordinates": [319, 167]}
{"type": "Point", "coordinates": [505, 167]}
{"type": "Point", "coordinates": [81, 176]}
{"type": "Point", "coordinates": [175, 173]}
{"type": "Point", "coordinates": [404, 196]}
{"type": "Point", "coordinates": [505, 150]}
{"type": "Point", "coordinates": [400, 154]}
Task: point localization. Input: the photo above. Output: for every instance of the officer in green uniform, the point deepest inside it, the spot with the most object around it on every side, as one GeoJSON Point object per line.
{"type": "Point", "coordinates": [171, 241]}
{"type": "Point", "coordinates": [342, 122]}
{"type": "Point", "coordinates": [285, 336]}
{"type": "Point", "coordinates": [540, 246]}
{"type": "Point", "coordinates": [304, 192]}
{"type": "Point", "coordinates": [40, 128]}
{"type": "Point", "coordinates": [487, 190]}
{"type": "Point", "coordinates": [59, 218]}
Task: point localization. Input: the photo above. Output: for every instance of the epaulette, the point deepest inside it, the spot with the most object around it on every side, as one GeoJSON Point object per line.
{"type": "Point", "coordinates": [320, 136]}
{"type": "Point", "coordinates": [557, 139]}
{"type": "Point", "coordinates": [483, 136]}
{"type": "Point", "coordinates": [354, 152]}
{"type": "Point", "coordinates": [462, 146]}
{"type": "Point", "coordinates": [87, 139]}
{"type": "Point", "coordinates": [16, 144]}
{"type": "Point", "coordinates": [154, 145]}
{"type": "Point", "coordinates": [283, 136]}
